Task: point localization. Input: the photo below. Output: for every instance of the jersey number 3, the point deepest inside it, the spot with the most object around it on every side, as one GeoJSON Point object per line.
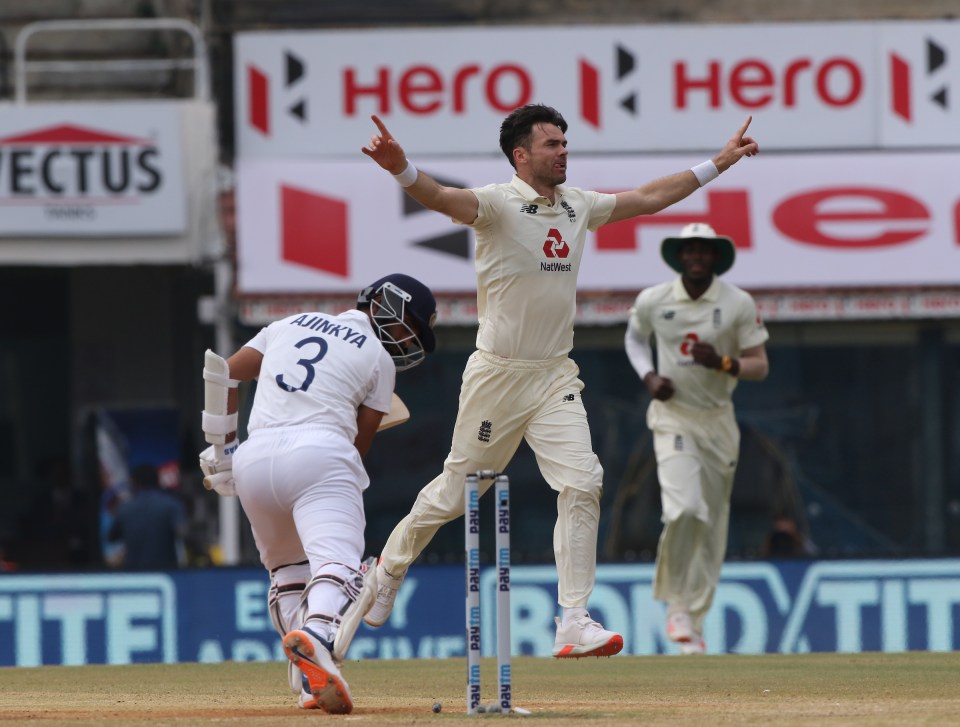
{"type": "Point", "coordinates": [307, 363]}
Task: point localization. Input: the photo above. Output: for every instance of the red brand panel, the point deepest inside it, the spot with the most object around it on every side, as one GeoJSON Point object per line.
{"type": "Point", "coordinates": [314, 231]}
{"type": "Point", "coordinates": [900, 75]}
{"type": "Point", "coordinates": [259, 100]}
{"type": "Point", "coordinates": [589, 93]}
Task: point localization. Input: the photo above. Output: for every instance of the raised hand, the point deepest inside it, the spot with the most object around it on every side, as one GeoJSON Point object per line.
{"type": "Point", "coordinates": [738, 146]}
{"type": "Point", "coordinates": [385, 150]}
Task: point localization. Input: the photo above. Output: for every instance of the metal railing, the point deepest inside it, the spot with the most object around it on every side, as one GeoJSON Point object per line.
{"type": "Point", "coordinates": [198, 63]}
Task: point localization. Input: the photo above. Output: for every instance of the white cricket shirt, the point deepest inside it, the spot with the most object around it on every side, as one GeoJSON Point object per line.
{"type": "Point", "coordinates": [318, 369]}
{"type": "Point", "coordinates": [527, 260]}
{"type": "Point", "coordinates": [724, 316]}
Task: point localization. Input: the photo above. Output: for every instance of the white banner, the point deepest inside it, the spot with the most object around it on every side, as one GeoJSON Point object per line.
{"type": "Point", "coordinates": [83, 170]}
{"type": "Point", "coordinates": [812, 221]}
{"type": "Point", "coordinates": [621, 88]}
{"type": "Point", "coordinates": [108, 183]}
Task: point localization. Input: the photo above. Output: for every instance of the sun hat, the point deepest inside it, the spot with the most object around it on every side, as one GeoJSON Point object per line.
{"type": "Point", "coordinates": [726, 252]}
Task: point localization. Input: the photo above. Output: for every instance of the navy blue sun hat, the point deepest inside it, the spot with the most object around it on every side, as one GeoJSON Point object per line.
{"type": "Point", "coordinates": [421, 305]}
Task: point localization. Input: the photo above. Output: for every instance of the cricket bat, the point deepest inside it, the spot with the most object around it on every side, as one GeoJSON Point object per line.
{"type": "Point", "coordinates": [398, 414]}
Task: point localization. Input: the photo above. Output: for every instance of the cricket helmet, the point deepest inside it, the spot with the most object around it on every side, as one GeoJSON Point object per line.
{"type": "Point", "coordinates": [393, 298]}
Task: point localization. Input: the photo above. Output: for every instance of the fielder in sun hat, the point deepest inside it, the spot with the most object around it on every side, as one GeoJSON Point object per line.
{"type": "Point", "coordinates": [726, 252]}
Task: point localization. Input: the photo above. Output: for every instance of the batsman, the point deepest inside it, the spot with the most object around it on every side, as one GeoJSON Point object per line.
{"type": "Point", "coordinates": [325, 387]}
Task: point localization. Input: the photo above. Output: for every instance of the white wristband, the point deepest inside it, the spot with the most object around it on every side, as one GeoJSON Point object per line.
{"type": "Point", "coordinates": [705, 172]}
{"type": "Point", "coordinates": [408, 176]}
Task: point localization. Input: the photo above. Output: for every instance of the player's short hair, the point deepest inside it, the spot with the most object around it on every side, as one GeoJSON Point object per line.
{"type": "Point", "coordinates": [517, 129]}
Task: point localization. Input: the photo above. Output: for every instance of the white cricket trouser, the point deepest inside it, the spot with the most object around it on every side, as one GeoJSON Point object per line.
{"type": "Point", "coordinates": [696, 452]}
{"type": "Point", "coordinates": [302, 490]}
{"type": "Point", "coordinates": [501, 403]}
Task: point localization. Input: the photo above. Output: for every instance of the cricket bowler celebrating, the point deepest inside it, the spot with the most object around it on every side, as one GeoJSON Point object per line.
{"type": "Point", "coordinates": [520, 382]}
{"type": "Point", "coordinates": [709, 336]}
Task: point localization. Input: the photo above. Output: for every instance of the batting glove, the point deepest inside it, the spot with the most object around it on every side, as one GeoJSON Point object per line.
{"type": "Point", "coordinates": [216, 463]}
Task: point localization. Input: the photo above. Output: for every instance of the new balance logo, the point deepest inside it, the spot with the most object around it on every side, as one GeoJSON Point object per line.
{"type": "Point", "coordinates": [569, 397]}
{"type": "Point", "coordinates": [530, 209]}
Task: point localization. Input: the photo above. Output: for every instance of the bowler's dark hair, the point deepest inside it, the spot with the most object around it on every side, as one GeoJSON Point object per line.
{"type": "Point", "coordinates": [517, 128]}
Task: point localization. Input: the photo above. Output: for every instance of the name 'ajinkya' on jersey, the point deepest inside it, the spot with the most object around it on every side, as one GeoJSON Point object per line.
{"type": "Point", "coordinates": [528, 259]}
{"type": "Point", "coordinates": [318, 369]}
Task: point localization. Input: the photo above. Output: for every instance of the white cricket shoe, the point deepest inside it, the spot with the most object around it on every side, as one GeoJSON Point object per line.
{"type": "Point", "coordinates": [583, 636]}
{"type": "Point", "coordinates": [387, 587]}
{"type": "Point", "coordinates": [679, 626]}
{"type": "Point", "coordinates": [324, 689]}
{"type": "Point", "coordinates": [696, 645]}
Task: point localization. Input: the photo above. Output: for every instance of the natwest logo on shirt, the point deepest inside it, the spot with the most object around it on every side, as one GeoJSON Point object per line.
{"type": "Point", "coordinates": [555, 245]}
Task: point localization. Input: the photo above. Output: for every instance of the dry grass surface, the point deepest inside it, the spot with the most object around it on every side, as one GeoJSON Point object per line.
{"type": "Point", "coordinates": [812, 689]}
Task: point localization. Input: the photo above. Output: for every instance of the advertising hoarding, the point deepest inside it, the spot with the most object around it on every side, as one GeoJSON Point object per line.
{"type": "Point", "coordinates": [799, 221]}
{"type": "Point", "coordinates": [214, 615]}
{"type": "Point", "coordinates": [622, 88]}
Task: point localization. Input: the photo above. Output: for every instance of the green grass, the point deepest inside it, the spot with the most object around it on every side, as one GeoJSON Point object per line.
{"type": "Point", "coordinates": [812, 689]}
